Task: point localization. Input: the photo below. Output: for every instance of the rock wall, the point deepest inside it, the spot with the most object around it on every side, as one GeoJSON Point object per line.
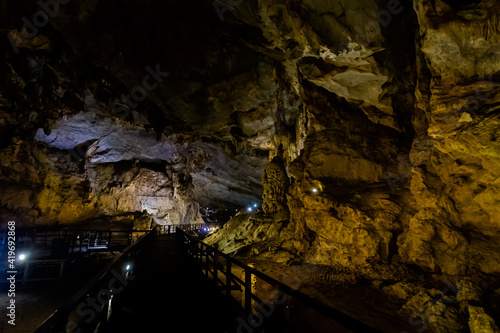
{"type": "Point", "coordinates": [393, 156]}
{"type": "Point", "coordinates": [397, 136]}
{"type": "Point", "coordinates": [386, 113]}
{"type": "Point", "coordinates": [454, 175]}
{"type": "Point", "coordinates": [105, 191]}
{"type": "Point", "coordinates": [85, 170]}
{"type": "Point", "coordinates": [275, 183]}
{"type": "Point", "coordinates": [367, 129]}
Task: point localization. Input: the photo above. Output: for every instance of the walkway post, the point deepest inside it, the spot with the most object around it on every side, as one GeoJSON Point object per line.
{"type": "Point", "coordinates": [253, 288]}
{"type": "Point", "coordinates": [247, 304]}
{"type": "Point", "coordinates": [216, 263]}
{"type": "Point", "coordinates": [61, 270]}
{"type": "Point", "coordinates": [207, 260]}
{"type": "Point", "coordinates": [250, 289]}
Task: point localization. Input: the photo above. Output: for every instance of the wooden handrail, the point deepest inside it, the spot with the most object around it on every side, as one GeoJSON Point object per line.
{"type": "Point", "coordinates": [338, 316]}
{"type": "Point", "coordinates": [42, 238]}
{"type": "Point", "coordinates": [171, 228]}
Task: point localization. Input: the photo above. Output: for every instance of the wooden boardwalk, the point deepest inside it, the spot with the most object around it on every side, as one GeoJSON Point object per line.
{"type": "Point", "coordinates": [168, 293]}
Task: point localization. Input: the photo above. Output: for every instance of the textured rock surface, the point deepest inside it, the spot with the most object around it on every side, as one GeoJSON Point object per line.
{"type": "Point", "coordinates": [389, 110]}
{"type": "Point", "coordinates": [454, 186]}
{"type": "Point", "coordinates": [89, 167]}
{"type": "Point", "coordinates": [480, 321]}
{"type": "Point", "coordinates": [275, 183]}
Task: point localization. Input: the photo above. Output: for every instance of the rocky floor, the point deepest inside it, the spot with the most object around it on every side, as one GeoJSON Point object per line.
{"type": "Point", "coordinates": [362, 301]}
{"type": "Point", "coordinates": [390, 295]}
{"type": "Point", "coordinates": [388, 305]}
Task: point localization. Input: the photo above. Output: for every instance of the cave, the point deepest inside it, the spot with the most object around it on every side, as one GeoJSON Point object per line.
{"type": "Point", "coordinates": [349, 150]}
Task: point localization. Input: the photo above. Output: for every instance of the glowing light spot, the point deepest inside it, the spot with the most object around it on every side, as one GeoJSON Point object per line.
{"type": "Point", "coordinates": [22, 257]}
{"type": "Point", "coordinates": [314, 190]}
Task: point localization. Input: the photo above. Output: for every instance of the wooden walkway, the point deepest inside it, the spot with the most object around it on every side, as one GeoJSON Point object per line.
{"type": "Point", "coordinates": [169, 294]}
{"type": "Point", "coordinates": [176, 283]}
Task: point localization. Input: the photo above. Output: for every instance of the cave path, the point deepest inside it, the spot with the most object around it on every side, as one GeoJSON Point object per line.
{"type": "Point", "coordinates": [169, 294]}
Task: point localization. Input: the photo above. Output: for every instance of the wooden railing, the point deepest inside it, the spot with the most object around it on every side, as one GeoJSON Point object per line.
{"type": "Point", "coordinates": [64, 319]}
{"type": "Point", "coordinates": [43, 264]}
{"type": "Point", "coordinates": [242, 290]}
{"type": "Point", "coordinates": [171, 228]}
{"type": "Point", "coordinates": [73, 241]}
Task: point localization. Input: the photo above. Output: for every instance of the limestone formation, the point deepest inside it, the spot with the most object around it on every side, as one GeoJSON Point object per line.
{"type": "Point", "coordinates": [275, 185]}
{"type": "Point", "coordinates": [367, 130]}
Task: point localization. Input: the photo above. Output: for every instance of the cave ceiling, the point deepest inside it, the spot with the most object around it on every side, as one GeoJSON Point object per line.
{"type": "Point", "coordinates": [200, 95]}
{"type": "Point", "coordinates": [214, 76]}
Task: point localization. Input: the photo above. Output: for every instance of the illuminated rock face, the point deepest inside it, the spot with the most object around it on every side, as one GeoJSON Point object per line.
{"type": "Point", "coordinates": [428, 194]}
{"type": "Point", "coordinates": [367, 130]}
{"type": "Point", "coordinates": [454, 178]}
{"type": "Point", "coordinates": [81, 172]}
{"type": "Point", "coordinates": [387, 110]}
{"type": "Point", "coordinates": [275, 183]}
